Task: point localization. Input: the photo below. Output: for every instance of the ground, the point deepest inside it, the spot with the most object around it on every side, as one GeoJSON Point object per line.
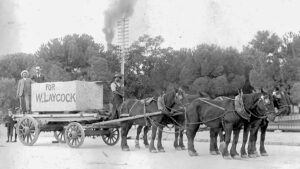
{"type": "Point", "coordinates": [95, 154]}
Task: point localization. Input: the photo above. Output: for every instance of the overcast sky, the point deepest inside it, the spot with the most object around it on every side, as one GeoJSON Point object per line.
{"type": "Point", "coordinates": [182, 23]}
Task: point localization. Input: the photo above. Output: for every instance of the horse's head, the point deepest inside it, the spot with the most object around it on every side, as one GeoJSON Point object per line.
{"type": "Point", "coordinates": [175, 97]}
{"type": "Point", "coordinates": [262, 106]}
{"type": "Point", "coordinates": [280, 102]}
{"type": "Point", "coordinates": [268, 102]}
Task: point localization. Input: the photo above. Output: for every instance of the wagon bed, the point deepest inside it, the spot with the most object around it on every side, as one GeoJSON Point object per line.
{"type": "Point", "coordinates": [71, 128]}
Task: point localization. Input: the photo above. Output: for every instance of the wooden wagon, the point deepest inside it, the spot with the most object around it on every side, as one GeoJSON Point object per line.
{"type": "Point", "coordinates": [72, 110]}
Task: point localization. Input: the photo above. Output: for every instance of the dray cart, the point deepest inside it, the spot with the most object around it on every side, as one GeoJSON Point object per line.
{"type": "Point", "coordinates": [72, 110]}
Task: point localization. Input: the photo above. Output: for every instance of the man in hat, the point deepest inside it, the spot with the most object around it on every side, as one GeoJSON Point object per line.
{"type": "Point", "coordinates": [38, 77]}
{"type": "Point", "coordinates": [117, 99]}
{"type": "Point", "coordinates": [24, 91]}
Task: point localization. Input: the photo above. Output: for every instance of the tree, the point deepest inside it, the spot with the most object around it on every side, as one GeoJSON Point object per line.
{"type": "Point", "coordinates": [8, 93]}
{"type": "Point", "coordinates": [71, 53]}
{"type": "Point", "coordinates": [266, 42]}
{"type": "Point", "coordinates": [11, 65]}
{"type": "Point", "coordinates": [295, 93]}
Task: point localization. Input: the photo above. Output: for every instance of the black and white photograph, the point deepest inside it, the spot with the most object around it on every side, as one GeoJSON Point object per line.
{"type": "Point", "coordinates": [149, 84]}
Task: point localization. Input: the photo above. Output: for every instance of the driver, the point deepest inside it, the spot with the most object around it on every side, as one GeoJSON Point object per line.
{"type": "Point", "coordinates": [117, 99]}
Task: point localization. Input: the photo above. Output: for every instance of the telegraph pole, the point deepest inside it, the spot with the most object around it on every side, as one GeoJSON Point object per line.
{"type": "Point", "coordinates": [123, 41]}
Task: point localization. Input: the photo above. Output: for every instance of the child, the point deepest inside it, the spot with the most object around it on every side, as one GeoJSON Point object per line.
{"type": "Point", "coordinates": [9, 123]}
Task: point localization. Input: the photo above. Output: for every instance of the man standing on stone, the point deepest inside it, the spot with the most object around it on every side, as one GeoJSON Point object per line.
{"type": "Point", "coordinates": [24, 91]}
{"type": "Point", "coordinates": [38, 77]}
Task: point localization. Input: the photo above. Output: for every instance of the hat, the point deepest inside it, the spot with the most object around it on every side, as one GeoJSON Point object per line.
{"type": "Point", "coordinates": [118, 75]}
{"type": "Point", "coordinates": [24, 71]}
{"type": "Point", "coordinates": [38, 68]}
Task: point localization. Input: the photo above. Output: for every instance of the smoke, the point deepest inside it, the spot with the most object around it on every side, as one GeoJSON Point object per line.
{"type": "Point", "coordinates": [9, 28]}
{"type": "Point", "coordinates": [117, 10]}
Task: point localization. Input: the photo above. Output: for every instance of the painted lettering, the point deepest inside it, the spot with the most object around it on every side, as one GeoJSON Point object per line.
{"type": "Point", "coordinates": [50, 87]}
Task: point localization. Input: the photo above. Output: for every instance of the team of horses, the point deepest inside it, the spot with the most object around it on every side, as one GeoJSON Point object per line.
{"type": "Point", "coordinates": [188, 112]}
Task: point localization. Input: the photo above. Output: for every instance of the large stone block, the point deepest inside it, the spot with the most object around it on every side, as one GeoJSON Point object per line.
{"type": "Point", "coordinates": [66, 96]}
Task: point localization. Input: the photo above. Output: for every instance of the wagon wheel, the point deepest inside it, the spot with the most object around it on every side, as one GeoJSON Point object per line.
{"type": "Point", "coordinates": [74, 135]}
{"type": "Point", "coordinates": [60, 136]}
{"type": "Point", "coordinates": [28, 130]}
{"type": "Point", "coordinates": [112, 138]}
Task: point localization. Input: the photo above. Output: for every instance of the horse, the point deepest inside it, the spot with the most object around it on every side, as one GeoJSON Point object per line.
{"type": "Point", "coordinates": [257, 121]}
{"type": "Point", "coordinates": [281, 103]}
{"type": "Point", "coordinates": [178, 121]}
{"type": "Point", "coordinates": [218, 115]}
{"type": "Point", "coordinates": [137, 107]}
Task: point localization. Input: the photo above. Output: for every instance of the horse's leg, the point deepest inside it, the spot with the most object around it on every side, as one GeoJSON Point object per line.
{"type": "Point", "coordinates": [228, 130]}
{"type": "Point", "coordinates": [213, 141]}
{"type": "Point", "coordinates": [181, 145]}
{"type": "Point", "coordinates": [257, 126]}
{"type": "Point", "coordinates": [245, 139]}
{"type": "Point", "coordinates": [152, 148]}
{"type": "Point", "coordinates": [263, 131]}
{"type": "Point", "coordinates": [191, 133]}
{"type": "Point", "coordinates": [159, 138]}
{"type": "Point", "coordinates": [233, 152]}
{"type": "Point", "coordinates": [218, 132]}
{"type": "Point", "coordinates": [145, 137]}
{"type": "Point", "coordinates": [253, 136]}
{"type": "Point", "coordinates": [124, 131]}
{"type": "Point", "coordinates": [138, 132]}
{"type": "Point", "coordinates": [175, 144]}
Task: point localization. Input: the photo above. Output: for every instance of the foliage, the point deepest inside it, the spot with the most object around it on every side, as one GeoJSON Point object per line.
{"type": "Point", "coordinates": [295, 93]}
{"type": "Point", "coordinates": [8, 93]}
{"type": "Point", "coordinates": [265, 62]}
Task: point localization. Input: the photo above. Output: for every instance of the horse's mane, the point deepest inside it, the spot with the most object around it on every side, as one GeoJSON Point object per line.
{"type": "Point", "coordinates": [250, 99]}
{"type": "Point", "coordinates": [169, 98]}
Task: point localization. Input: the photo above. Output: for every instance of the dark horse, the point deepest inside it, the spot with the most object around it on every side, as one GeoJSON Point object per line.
{"type": "Point", "coordinates": [221, 114]}
{"type": "Point", "coordinates": [137, 107]}
{"type": "Point", "coordinates": [177, 119]}
{"type": "Point", "coordinates": [281, 103]}
{"type": "Point", "coordinates": [257, 121]}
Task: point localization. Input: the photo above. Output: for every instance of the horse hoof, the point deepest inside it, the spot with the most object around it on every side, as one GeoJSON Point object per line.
{"type": "Point", "coordinates": [222, 146]}
{"type": "Point", "coordinates": [161, 150]}
{"type": "Point", "coordinates": [146, 146]}
{"type": "Point", "coordinates": [236, 157]}
{"type": "Point", "coordinates": [227, 157]}
{"type": "Point", "coordinates": [213, 153]}
{"type": "Point", "coordinates": [153, 151]}
{"type": "Point", "coordinates": [125, 149]}
{"type": "Point", "coordinates": [252, 156]}
{"type": "Point", "coordinates": [178, 148]}
{"type": "Point", "coordinates": [218, 152]}
{"type": "Point", "coordinates": [137, 146]}
{"type": "Point", "coordinates": [244, 155]}
{"type": "Point", "coordinates": [182, 148]}
{"type": "Point", "coordinates": [192, 153]}
{"type": "Point", "coordinates": [264, 154]}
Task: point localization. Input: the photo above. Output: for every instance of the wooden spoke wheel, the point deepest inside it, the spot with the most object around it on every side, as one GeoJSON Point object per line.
{"type": "Point", "coordinates": [112, 138]}
{"type": "Point", "coordinates": [60, 136]}
{"type": "Point", "coordinates": [28, 130]}
{"type": "Point", "coordinates": [74, 135]}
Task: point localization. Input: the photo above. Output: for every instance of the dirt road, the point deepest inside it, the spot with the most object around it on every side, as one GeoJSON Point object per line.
{"type": "Point", "coordinates": [94, 154]}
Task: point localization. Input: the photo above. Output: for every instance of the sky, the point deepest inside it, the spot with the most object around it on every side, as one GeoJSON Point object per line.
{"type": "Point", "coordinates": [26, 24]}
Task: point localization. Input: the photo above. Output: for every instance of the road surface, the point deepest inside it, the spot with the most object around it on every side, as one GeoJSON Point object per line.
{"type": "Point", "coordinates": [94, 154]}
